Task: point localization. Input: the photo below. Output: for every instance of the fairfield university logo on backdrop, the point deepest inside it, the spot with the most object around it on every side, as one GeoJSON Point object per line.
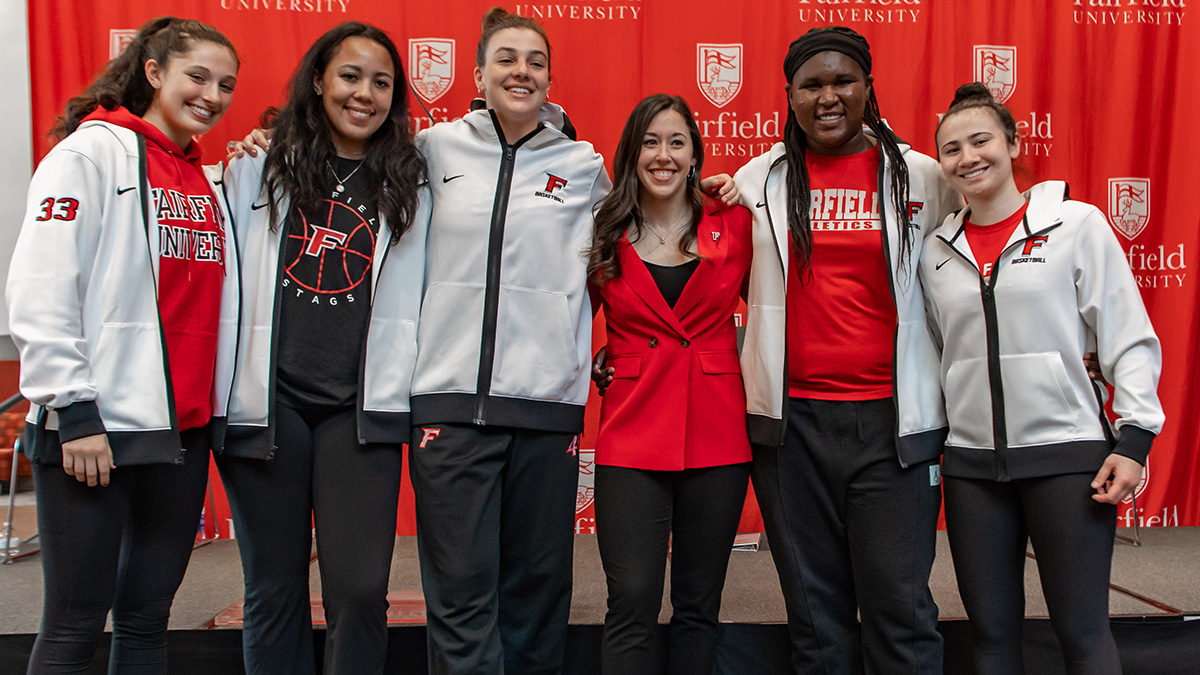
{"type": "Point", "coordinates": [719, 71]}
{"type": "Point", "coordinates": [582, 10]}
{"type": "Point", "coordinates": [585, 492]}
{"type": "Point", "coordinates": [846, 12]}
{"type": "Point", "coordinates": [1129, 12]}
{"type": "Point", "coordinates": [1162, 266]}
{"type": "Point", "coordinates": [1129, 205]}
{"type": "Point", "coordinates": [996, 68]}
{"type": "Point", "coordinates": [431, 67]}
{"type": "Point", "coordinates": [118, 40]}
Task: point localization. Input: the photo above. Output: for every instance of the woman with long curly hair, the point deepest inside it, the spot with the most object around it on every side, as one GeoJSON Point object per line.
{"type": "Point", "coordinates": [126, 357]}
{"type": "Point", "coordinates": [672, 455]}
{"type": "Point", "coordinates": [331, 235]}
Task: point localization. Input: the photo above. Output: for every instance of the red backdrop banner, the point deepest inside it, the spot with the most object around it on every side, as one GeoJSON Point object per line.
{"type": "Point", "coordinates": [1101, 89]}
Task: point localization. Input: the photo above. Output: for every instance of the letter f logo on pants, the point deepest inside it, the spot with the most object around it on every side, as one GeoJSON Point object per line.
{"type": "Point", "coordinates": [428, 434]}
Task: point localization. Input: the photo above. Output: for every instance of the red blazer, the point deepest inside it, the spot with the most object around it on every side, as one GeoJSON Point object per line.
{"type": "Point", "coordinates": [676, 400]}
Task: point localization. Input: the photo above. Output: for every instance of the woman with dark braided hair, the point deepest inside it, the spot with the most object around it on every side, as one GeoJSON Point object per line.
{"type": "Point", "coordinates": [331, 235]}
{"type": "Point", "coordinates": [845, 412]}
{"type": "Point", "coordinates": [126, 357]}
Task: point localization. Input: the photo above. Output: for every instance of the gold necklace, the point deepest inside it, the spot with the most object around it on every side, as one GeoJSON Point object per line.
{"type": "Point", "coordinates": [341, 182]}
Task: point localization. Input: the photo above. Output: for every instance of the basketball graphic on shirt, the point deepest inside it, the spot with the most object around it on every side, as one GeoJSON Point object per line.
{"type": "Point", "coordinates": [332, 261]}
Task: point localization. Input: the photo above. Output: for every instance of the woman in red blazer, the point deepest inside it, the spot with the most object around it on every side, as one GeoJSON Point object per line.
{"type": "Point", "coordinates": [672, 455]}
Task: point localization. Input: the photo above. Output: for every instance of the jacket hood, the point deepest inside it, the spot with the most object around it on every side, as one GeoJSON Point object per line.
{"type": "Point", "coordinates": [121, 117]}
{"type": "Point", "coordinates": [1045, 209]}
{"type": "Point", "coordinates": [550, 115]}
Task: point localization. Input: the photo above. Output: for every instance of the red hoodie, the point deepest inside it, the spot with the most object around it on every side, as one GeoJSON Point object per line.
{"type": "Point", "coordinates": [191, 263]}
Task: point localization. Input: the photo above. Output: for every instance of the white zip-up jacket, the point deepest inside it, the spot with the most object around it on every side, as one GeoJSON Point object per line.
{"type": "Point", "coordinates": [83, 303]}
{"type": "Point", "coordinates": [390, 347]}
{"type": "Point", "coordinates": [506, 325]}
{"type": "Point", "coordinates": [1019, 399]}
{"type": "Point", "coordinates": [921, 420]}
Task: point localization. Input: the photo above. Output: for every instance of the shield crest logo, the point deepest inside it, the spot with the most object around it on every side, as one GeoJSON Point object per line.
{"type": "Point", "coordinates": [996, 68]}
{"type": "Point", "coordinates": [1129, 205]}
{"type": "Point", "coordinates": [431, 67]}
{"type": "Point", "coordinates": [585, 493]}
{"type": "Point", "coordinates": [719, 72]}
{"type": "Point", "coordinates": [118, 40]}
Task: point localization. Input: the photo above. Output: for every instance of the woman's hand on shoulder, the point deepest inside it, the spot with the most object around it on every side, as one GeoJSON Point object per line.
{"type": "Point", "coordinates": [89, 459]}
{"type": "Point", "coordinates": [259, 139]}
{"type": "Point", "coordinates": [721, 186]}
{"type": "Point", "coordinates": [1117, 479]}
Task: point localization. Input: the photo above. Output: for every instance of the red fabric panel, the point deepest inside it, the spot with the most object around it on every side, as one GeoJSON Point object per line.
{"type": "Point", "coordinates": [1105, 90]}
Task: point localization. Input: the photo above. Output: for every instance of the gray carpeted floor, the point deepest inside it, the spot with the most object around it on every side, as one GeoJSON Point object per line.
{"type": "Point", "coordinates": [1166, 570]}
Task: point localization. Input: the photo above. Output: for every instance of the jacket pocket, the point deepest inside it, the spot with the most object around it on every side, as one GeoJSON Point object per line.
{"type": "Point", "coordinates": [720, 363]}
{"type": "Point", "coordinates": [536, 355]}
{"type": "Point", "coordinates": [448, 338]}
{"type": "Point", "coordinates": [1039, 404]}
{"type": "Point", "coordinates": [625, 367]}
{"type": "Point", "coordinates": [128, 369]}
{"type": "Point", "coordinates": [391, 357]}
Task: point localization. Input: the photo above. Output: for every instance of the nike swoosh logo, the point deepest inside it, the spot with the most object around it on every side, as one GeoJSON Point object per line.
{"type": "Point", "coordinates": [760, 205]}
{"type": "Point", "coordinates": [939, 265]}
{"type": "Point", "coordinates": [121, 191]}
{"type": "Point", "coordinates": [255, 207]}
{"type": "Point", "coordinates": [447, 179]}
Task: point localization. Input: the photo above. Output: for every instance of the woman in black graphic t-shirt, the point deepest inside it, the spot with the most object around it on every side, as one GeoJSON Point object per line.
{"type": "Point", "coordinates": [328, 223]}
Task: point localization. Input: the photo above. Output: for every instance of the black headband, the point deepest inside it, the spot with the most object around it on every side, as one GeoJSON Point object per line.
{"type": "Point", "coordinates": [827, 39]}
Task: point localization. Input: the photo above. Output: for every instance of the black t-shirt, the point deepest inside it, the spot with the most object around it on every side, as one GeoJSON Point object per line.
{"type": "Point", "coordinates": [326, 298]}
{"type": "Point", "coordinates": [672, 278]}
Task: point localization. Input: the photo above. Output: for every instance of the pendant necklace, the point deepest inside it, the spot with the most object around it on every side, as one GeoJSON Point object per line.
{"type": "Point", "coordinates": [341, 182]}
{"type": "Point", "coordinates": [661, 239]}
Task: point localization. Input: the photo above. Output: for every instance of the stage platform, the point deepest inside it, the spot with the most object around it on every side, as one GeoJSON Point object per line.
{"type": "Point", "coordinates": [1155, 605]}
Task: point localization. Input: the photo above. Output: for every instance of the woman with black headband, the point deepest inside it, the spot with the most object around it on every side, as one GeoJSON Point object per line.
{"type": "Point", "coordinates": [846, 414]}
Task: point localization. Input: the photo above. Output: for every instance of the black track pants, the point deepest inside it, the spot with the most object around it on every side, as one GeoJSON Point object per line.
{"type": "Point", "coordinates": [637, 513]}
{"type": "Point", "coordinates": [852, 533]}
{"type": "Point", "coordinates": [495, 529]}
{"type": "Point", "coordinates": [123, 547]}
{"type": "Point", "coordinates": [320, 476]}
{"type": "Point", "coordinates": [989, 524]}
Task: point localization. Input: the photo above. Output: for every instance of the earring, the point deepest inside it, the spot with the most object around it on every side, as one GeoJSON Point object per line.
{"type": "Point", "coordinates": [691, 173]}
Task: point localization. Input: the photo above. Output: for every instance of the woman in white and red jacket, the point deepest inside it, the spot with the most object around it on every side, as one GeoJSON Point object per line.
{"type": "Point", "coordinates": [122, 300]}
{"type": "Point", "coordinates": [1019, 287]}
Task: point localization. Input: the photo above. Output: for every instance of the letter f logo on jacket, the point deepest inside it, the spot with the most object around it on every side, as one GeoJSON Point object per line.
{"type": "Point", "coordinates": [1035, 242]}
{"type": "Point", "coordinates": [555, 182]}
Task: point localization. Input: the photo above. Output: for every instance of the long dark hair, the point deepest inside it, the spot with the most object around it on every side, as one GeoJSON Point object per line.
{"type": "Point", "coordinates": [123, 81]}
{"type": "Point", "coordinates": [622, 207]}
{"type": "Point", "coordinates": [795, 144]}
{"type": "Point", "coordinates": [302, 144]}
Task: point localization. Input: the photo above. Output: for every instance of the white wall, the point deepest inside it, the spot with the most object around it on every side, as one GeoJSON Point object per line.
{"type": "Point", "coordinates": [16, 148]}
